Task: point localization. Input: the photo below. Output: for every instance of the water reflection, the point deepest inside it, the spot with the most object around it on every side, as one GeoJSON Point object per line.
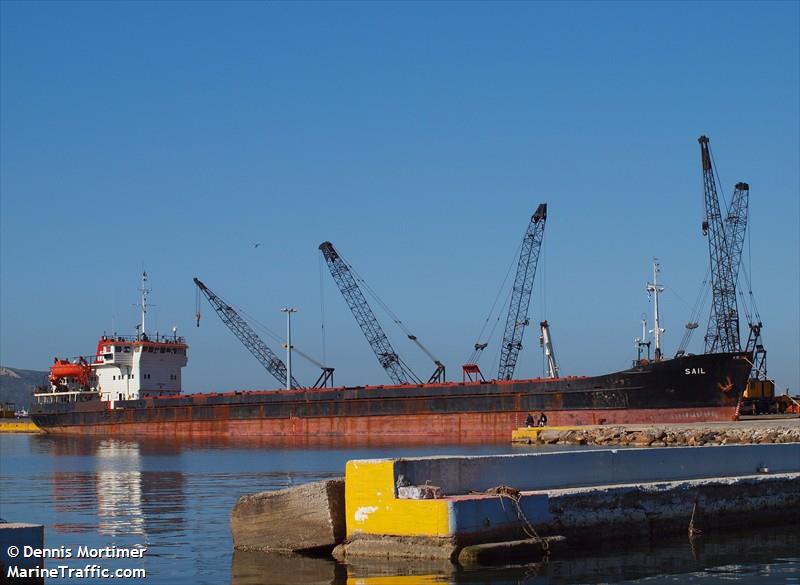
{"type": "Point", "coordinates": [742, 557]}
{"type": "Point", "coordinates": [85, 445]}
{"type": "Point", "coordinates": [118, 488]}
{"type": "Point", "coordinates": [175, 497]}
{"type": "Point", "coordinates": [255, 568]}
{"type": "Point", "coordinates": [119, 493]}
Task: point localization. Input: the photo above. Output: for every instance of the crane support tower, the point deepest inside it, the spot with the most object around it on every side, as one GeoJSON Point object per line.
{"type": "Point", "coordinates": [517, 318]}
{"type": "Point", "coordinates": [722, 334]}
{"type": "Point", "coordinates": [397, 370]}
{"type": "Point", "coordinates": [249, 338]}
{"type": "Point", "coordinates": [547, 345]}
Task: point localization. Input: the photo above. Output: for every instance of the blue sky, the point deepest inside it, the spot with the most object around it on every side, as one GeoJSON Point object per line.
{"type": "Point", "coordinates": [418, 138]}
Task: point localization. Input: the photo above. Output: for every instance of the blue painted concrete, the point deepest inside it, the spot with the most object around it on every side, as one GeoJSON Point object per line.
{"type": "Point", "coordinates": [483, 514]}
{"type": "Point", "coordinates": [20, 536]}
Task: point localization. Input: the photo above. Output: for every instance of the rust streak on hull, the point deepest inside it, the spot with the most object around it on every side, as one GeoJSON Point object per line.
{"type": "Point", "coordinates": [437, 427]}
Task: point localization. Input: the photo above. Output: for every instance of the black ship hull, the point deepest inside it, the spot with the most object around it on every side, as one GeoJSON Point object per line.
{"type": "Point", "coordinates": [690, 388]}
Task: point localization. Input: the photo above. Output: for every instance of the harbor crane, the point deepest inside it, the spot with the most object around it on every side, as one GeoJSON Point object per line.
{"type": "Point", "coordinates": [722, 334]}
{"type": "Point", "coordinates": [255, 345]}
{"type": "Point", "coordinates": [735, 230]}
{"type": "Point", "coordinates": [726, 259]}
{"type": "Point", "coordinates": [396, 368]}
{"type": "Point", "coordinates": [517, 318]}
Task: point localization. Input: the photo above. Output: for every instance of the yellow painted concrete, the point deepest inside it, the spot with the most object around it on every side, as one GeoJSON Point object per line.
{"type": "Point", "coordinates": [525, 434]}
{"type": "Point", "coordinates": [18, 426]}
{"type": "Point", "coordinates": [396, 580]}
{"type": "Point", "coordinates": [373, 509]}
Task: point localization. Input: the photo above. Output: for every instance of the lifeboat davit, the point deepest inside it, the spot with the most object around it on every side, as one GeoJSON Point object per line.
{"type": "Point", "coordinates": [66, 369]}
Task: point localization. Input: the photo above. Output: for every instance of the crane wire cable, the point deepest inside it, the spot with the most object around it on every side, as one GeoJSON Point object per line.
{"type": "Point", "coordinates": [679, 297]}
{"type": "Point", "coordinates": [256, 324]}
{"type": "Point", "coordinates": [322, 309]}
{"type": "Point", "coordinates": [543, 288]}
{"type": "Point", "coordinates": [494, 304]}
{"type": "Point", "coordinates": [497, 322]}
{"type": "Point", "coordinates": [719, 184]}
{"type": "Point", "coordinates": [699, 305]}
{"type": "Point", "coordinates": [392, 315]}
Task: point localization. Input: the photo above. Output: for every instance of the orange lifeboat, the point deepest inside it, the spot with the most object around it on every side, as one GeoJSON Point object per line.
{"type": "Point", "coordinates": [66, 369]}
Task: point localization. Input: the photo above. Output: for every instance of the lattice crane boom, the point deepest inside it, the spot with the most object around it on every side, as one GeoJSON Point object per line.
{"type": "Point", "coordinates": [517, 318]}
{"type": "Point", "coordinates": [397, 370]}
{"type": "Point", "coordinates": [736, 226]}
{"type": "Point", "coordinates": [722, 334]}
{"type": "Point", "coordinates": [249, 338]}
{"type": "Point", "coordinates": [735, 230]}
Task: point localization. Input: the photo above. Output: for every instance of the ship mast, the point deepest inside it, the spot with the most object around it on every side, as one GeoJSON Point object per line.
{"type": "Point", "coordinates": [642, 342]}
{"type": "Point", "coordinates": [653, 287]}
{"type": "Point", "coordinates": [143, 302]}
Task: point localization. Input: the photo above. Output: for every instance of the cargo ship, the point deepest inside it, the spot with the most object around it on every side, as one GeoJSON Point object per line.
{"type": "Point", "coordinates": [131, 386]}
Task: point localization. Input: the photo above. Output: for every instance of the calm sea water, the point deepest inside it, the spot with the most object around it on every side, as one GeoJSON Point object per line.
{"type": "Point", "coordinates": [174, 497]}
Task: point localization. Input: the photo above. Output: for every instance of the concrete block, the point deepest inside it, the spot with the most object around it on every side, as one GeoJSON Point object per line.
{"type": "Point", "coordinates": [616, 493]}
{"type": "Point", "coordinates": [528, 551]}
{"type": "Point", "coordinates": [306, 518]}
{"type": "Point", "coordinates": [379, 523]}
{"type": "Point", "coordinates": [364, 546]}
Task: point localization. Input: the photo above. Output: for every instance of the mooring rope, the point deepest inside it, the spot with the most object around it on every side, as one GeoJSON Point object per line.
{"type": "Point", "coordinates": [513, 494]}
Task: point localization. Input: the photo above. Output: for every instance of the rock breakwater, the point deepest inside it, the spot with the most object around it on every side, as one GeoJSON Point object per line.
{"type": "Point", "coordinates": [667, 437]}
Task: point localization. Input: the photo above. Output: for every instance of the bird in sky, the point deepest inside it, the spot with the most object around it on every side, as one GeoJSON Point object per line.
{"type": "Point", "coordinates": [257, 244]}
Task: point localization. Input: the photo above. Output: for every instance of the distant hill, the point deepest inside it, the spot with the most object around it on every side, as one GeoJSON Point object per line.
{"type": "Point", "coordinates": [17, 385]}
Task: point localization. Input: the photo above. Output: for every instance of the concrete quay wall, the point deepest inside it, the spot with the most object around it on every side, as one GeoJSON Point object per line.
{"type": "Point", "coordinates": [545, 471]}
{"type": "Point", "coordinates": [587, 496]}
{"type": "Point", "coordinates": [648, 511]}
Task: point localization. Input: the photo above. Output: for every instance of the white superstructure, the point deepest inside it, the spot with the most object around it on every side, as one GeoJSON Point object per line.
{"type": "Point", "coordinates": [133, 368]}
{"type": "Point", "coordinates": [123, 367]}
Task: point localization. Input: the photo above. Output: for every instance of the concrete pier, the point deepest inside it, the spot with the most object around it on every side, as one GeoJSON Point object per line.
{"type": "Point", "coordinates": [16, 425]}
{"type": "Point", "coordinates": [308, 518]}
{"type": "Point", "coordinates": [583, 495]}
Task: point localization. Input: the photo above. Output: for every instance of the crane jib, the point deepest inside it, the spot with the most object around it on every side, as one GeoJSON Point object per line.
{"type": "Point", "coordinates": [517, 318]}
{"type": "Point", "coordinates": [725, 239]}
{"type": "Point", "coordinates": [245, 334]}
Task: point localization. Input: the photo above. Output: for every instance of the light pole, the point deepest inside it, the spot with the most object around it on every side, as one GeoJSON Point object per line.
{"type": "Point", "coordinates": [288, 311]}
